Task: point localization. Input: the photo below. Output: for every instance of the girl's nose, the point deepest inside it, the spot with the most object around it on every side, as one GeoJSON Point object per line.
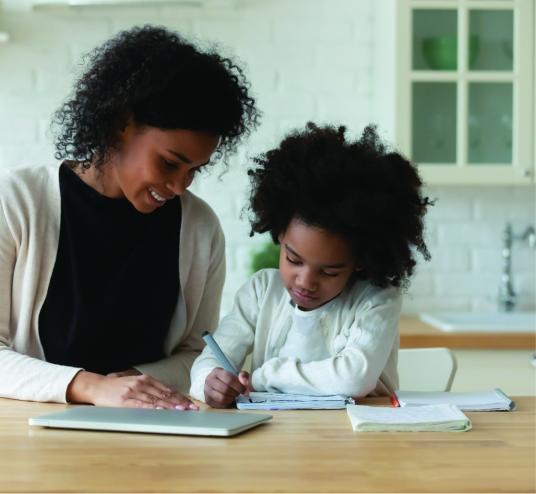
{"type": "Point", "coordinates": [306, 281]}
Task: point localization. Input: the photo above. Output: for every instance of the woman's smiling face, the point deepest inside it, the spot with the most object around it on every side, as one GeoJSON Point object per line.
{"type": "Point", "coordinates": [153, 165]}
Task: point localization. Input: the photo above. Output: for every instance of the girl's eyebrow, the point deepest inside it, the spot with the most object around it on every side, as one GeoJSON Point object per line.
{"type": "Point", "coordinates": [329, 266]}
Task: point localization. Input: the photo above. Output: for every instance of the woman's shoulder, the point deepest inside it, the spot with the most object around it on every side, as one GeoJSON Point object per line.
{"type": "Point", "coordinates": [27, 178]}
{"type": "Point", "coordinates": [197, 210]}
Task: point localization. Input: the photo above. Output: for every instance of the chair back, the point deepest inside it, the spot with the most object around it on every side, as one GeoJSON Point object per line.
{"type": "Point", "coordinates": [426, 369]}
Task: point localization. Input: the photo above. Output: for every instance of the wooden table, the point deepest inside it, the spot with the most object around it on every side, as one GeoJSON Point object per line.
{"type": "Point", "coordinates": [300, 451]}
{"type": "Point", "coordinates": [415, 333]}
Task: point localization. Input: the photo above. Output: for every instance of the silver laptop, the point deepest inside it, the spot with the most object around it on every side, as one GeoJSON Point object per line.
{"type": "Point", "coordinates": [203, 423]}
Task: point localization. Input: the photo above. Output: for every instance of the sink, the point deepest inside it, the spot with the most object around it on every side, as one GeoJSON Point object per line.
{"type": "Point", "coordinates": [496, 322]}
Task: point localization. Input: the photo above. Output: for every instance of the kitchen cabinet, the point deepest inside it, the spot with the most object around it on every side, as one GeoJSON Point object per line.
{"type": "Point", "coordinates": [465, 89]}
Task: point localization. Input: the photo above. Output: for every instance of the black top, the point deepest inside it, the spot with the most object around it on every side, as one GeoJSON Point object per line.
{"type": "Point", "coordinates": [115, 283]}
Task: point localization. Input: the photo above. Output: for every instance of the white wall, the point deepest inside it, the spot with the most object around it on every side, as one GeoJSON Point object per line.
{"type": "Point", "coordinates": [321, 60]}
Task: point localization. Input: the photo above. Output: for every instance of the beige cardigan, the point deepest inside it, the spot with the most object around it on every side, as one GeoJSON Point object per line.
{"type": "Point", "coordinates": [30, 210]}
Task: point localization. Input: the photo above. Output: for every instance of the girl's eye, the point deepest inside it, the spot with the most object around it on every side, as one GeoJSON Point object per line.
{"type": "Point", "coordinates": [292, 261]}
{"type": "Point", "coordinates": [331, 275]}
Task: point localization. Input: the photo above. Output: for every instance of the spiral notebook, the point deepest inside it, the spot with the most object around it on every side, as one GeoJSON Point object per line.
{"type": "Point", "coordinates": [475, 401]}
{"type": "Point", "coordinates": [260, 400]}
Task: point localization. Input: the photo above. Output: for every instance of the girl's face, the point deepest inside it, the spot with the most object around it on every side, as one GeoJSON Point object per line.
{"type": "Point", "coordinates": [153, 165]}
{"type": "Point", "coordinates": [315, 264]}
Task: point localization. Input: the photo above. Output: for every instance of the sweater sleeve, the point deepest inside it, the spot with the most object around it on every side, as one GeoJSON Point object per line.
{"type": "Point", "coordinates": [355, 370]}
{"type": "Point", "coordinates": [23, 377]}
{"type": "Point", "coordinates": [175, 369]}
{"type": "Point", "coordinates": [235, 336]}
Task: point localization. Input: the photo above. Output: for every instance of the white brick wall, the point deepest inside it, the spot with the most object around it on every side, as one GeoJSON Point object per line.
{"type": "Point", "coordinates": [322, 60]}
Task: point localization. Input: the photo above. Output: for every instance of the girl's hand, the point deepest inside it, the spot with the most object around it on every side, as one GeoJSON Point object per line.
{"type": "Point", "coordinates": [140, 391]}
{"type": "Point", "coordinates": [221, 387]}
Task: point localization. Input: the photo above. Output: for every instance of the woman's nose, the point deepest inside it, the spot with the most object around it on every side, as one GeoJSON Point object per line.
{"type": "Point", "coordinates": [179, 184]}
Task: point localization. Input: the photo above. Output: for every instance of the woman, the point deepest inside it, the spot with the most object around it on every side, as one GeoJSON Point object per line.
{"type": "Point", "coordinates": [110, 269]}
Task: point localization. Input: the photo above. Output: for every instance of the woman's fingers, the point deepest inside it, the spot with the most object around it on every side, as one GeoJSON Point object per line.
{"type": "Point", "coordinates": [146, 392]}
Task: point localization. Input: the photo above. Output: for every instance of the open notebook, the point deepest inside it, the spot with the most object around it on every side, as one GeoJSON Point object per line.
{"type": "Point", "coordinates": [478, 401]}
{"type": "Point", "coordinates": [438, 418]}
{"type": "Point", "coordinates": [260, 400]}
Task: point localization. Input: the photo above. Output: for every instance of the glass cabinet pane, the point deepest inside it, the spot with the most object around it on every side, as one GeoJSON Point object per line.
{"type": "Point", "coordinates": [491, 39]}
{"type": "Point", "coordinates": [435, 39]}
{"type": "Point", "coordinates": [434, 122]}
{"type": "Point", "coordinates": [490, 122]}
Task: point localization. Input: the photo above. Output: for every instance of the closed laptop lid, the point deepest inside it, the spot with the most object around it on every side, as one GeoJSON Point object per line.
{"type": "Point", "coordinates": [202, 423]}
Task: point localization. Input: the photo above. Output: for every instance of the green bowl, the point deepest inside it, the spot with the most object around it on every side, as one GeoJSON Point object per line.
{"type": "Point", "coordinates": [441, 52]}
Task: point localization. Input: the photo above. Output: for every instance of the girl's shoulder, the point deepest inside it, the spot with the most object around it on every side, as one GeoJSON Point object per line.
{"type": "Point", "coordinates": [265, 284]}
{"type": "Point", "coordinates": [363, 292]}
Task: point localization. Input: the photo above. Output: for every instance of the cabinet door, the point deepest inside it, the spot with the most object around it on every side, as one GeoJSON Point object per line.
{"type": "Point", "coordinates": [465, 89]}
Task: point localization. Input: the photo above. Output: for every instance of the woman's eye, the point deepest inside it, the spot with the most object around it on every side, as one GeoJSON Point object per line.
{"type": "Point", "coordinates": [292, 261]}
{"type": "Point", "coordinates": [169, 165]}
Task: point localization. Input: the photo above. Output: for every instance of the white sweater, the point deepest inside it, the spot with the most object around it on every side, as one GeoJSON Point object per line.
{"type": "Point", "coordinates": [30, 211]}
{"type": "Point", "coordinates": [359, 327]}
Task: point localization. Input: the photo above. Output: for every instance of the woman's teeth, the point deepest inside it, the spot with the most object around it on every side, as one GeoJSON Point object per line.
{"type": "Point", "coordinates": [158, 197]}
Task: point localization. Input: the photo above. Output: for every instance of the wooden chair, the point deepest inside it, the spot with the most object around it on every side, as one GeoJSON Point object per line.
{"type": "Point", "coordinates": [426, 369]}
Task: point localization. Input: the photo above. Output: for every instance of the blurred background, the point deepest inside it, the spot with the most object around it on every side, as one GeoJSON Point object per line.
{"type": "Point", "coordinates": [450, 83]}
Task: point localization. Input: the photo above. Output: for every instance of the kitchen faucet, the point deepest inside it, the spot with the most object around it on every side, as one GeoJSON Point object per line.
{"type": "Point", "coordinates": [507, 295]}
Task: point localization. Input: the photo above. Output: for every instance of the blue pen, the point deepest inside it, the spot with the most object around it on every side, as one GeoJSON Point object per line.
{"type": "Point", "coordinates": [222, 359]}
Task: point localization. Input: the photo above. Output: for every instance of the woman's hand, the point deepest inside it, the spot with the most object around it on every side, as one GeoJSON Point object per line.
{"type": "Point", "coordinates": [222, 387]}
{"type": "Point", "coordinates": [134, 391]}
{"type": "Point", "coordinates": [128, 372]}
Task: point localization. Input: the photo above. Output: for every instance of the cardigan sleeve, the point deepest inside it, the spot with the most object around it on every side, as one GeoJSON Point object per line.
{"type": "Point", "coordinates": [175, 369]}
{"type": "Point", "coordinates": [235, 336]}
{"type": "Point", "coordinates": [23, 377]}
{"type": "Point", "coordinates": [353, 371]}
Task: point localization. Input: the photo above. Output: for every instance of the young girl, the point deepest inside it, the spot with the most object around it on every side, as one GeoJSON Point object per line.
{"type": "Point", "coordinates": [347, 216]}
{"type": "Point", "coordinates": [110, 270]}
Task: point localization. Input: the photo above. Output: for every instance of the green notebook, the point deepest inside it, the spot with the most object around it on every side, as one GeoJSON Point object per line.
{"type": "Point", "coordinates": [437, 418]}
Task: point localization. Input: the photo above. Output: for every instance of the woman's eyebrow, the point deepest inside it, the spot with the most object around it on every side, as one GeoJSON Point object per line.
{"type": "Point", "coordinates": [185, 159]}
{"type": "Point", "coordinates": [181, 156]}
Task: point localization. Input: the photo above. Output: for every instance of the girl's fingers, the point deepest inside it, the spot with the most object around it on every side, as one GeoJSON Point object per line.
{"type": "Point", "coordinates": [226, 389]}
{"type": "Point", "coordinates": [217, 399]}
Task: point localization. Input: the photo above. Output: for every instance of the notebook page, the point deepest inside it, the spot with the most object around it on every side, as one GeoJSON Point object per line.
{"type": "Point", "coordinates": [417, 415]}
{"type": "Point", "coordinates": [263, 396]}
{"type": "Point", "coordinates": [440, 418]}
{"type": "Point", "coordinates": [478, 400]}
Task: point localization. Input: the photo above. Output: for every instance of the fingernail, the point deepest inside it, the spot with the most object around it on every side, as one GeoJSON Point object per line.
{"type": "Point", "coordinates": [159, 408]}
{"type": "Point", "coordinates": [179, 407]}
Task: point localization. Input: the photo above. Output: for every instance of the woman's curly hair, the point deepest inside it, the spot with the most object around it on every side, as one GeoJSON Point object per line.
{"type": "Point", "coordinates": [154, 77]}
{"type": "Point", "coordinates": [353, 188]}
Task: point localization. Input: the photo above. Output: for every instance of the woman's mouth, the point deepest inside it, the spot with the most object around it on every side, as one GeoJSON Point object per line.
{"type": "Point", "coordinates": [156, 197]}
